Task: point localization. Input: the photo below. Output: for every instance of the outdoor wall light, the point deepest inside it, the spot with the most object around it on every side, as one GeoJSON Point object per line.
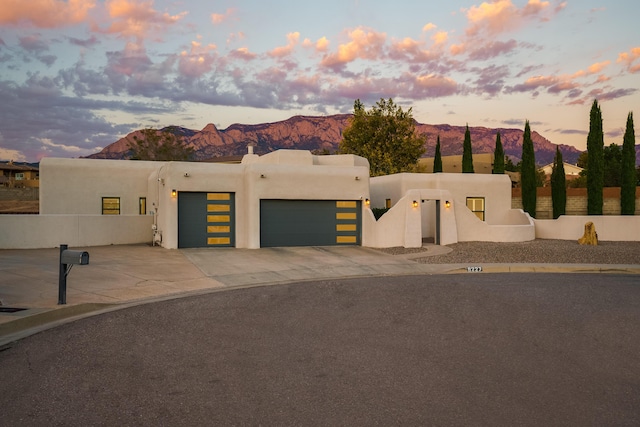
{"type": "Point", "coordinates": [263, 176]}
{"type": "Point", "coordinates": [447, 204]}
{"type": "Point", "coordinates": [174, 193]}
{"type": "Point", "coordinates": [367, 202]}
{"type": "Point", "coordinates": [357, 178]}
{"type": "Point", "coordinates": [415, 203]}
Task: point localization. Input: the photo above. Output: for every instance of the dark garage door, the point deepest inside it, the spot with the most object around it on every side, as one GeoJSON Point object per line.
{"type": "Point", "coordinates": [206, 220]}
{"type": "Point", "coordinates": [309, 222]}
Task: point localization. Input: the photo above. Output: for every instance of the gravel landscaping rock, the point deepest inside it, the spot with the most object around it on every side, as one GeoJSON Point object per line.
{"type": "Point", "coordinates": [535, 251]}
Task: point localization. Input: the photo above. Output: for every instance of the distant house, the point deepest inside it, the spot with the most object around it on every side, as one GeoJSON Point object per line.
{"type": "Point", "coordinates": [570, 171]}
{"type": "Point", "coordinates": [18, 175]}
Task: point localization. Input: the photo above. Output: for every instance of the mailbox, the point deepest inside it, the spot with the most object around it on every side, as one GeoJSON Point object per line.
{"type": "Point", "coordinates": [67, 260]}
{"type": "Point", "coordinates": [74, 257]}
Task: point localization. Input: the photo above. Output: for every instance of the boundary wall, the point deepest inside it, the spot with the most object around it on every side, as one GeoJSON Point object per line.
{"type": "Point", "coordinates": [49, 231]}
{"type": "Point", "coordinates": [620, 228]}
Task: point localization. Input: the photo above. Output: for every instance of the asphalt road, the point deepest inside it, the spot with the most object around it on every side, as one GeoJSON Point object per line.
{"type": "Point", "coordinates": [499, 350]}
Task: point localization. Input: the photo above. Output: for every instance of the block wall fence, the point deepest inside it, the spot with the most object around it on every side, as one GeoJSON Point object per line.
{"type": "Point", "coordinates": [576, 201]}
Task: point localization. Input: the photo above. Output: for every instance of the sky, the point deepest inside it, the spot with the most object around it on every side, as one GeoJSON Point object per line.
{"type": "Point", "coordinates": [77, 75]}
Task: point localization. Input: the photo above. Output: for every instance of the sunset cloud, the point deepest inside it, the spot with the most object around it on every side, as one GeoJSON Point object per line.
{"type": "Point", "coordinates": [365, 44]}
{"type": "Point", "coordinates": [45, 13]}
{"type": "Point", "coordinates": [629, 58]}
{"type": "Point", "coordinates": [219, 18]}
{"type": "Point", "coordinates": [598, 67]}
{"type": "Point", "coordinates": [137, 19]}
{"type": "Point", "coordinates": [198, 61]}
{"type": "Point", "coordinates": [243, 53]}
{"type": "Point", "coordinates": [499, 16]}
{"type": "Point", "coordinates": [282, 51]}
{"type": "Point", "coordinates": [429, 27]}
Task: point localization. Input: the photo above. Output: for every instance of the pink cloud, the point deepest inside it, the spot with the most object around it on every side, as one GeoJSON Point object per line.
{"type": "Point", "coordinates": [598, 67]}
{"type": "Point", "coordinates": [219, 18]}
{"type": "Point", "coordinates": [243, 53]}
{"type": "Point", "coordinates": [498, 16]}
{"type": "Point", "coordinates": [364, 44]}
{"type": "Point", "coordinates": [432, 85]}
{"type": "Point", "coordinates": [282, 51]}
{"type": "Point", "coordinates": [137, 19]}
{"type": "Point", "coordinates": [629, 58]}
{"type": "Point", "coordinates": [412, 50]}
{"type": "Point", "coordinates": [198, 61]}
{"type": "Point", "coordinates": [493, 49]}
{"type": "Point", "coordinates": [428, 27]}
{"type": "Point", "coordinates": [45, 13]}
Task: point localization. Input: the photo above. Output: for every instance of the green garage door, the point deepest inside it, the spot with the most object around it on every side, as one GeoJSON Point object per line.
{"type": "Point", "coordinates": [206, 220]}
{"type": "Point", "coordinates": [309, 222]}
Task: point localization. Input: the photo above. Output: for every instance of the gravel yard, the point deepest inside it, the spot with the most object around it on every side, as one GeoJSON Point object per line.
{"type": "Point", "coordinates": [536, 251]}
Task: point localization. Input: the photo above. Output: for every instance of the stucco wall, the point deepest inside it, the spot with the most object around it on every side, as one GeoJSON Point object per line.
{"type": "Point", "coordinates": [283, 174]}
{"type": "Point", "coordinates": [612, 228]}
{"type": "Point", "coordinates": [501, 222]}
{"type": "Point", "coordinates": [76, 186]}
{"type": "Point", "coordinates": [49, 231]}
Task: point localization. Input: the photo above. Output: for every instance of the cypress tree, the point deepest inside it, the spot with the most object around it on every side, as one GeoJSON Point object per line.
{"type": "Point", "coordinates": [467, 155]}
{"type": "Point", "coordinates": [558, 186]}
{"type": "Point", "coordinates": [528, 173]}
{"type": "Point", "coordinates": [628, 170]}
{"type": "Point", "coordinates": [498, 156]}
{"type": "Point", "coordinates": [437, 160]}
{"type": "Point", "coordinates": [595, 161]}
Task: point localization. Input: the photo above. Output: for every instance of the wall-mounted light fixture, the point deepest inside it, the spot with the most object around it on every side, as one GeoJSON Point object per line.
{"type": "Point", "coordinates": [415, 203]}
{"type": "Point", "coordinates": [262, 175]}
{"type": "Point", "coordinates": [174, 193]}
{"type": "Point", "coordinates": [367, 202]}
{"type": "Point", "coordinates": [357, 178]}
{"type": "Point", "coordinates": [186, 175]}
{"type": "Point", "coordinates": [447, 204]}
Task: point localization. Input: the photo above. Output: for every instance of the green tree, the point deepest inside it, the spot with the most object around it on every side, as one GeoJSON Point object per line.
{"type": "Point", "coordinates": [437, 160]}
{"type": "Point", "coordinates": [509, 166]}
{"type": "Point", "coordinates": [558, 186]}
{"type": "Point", "coordinates": [498, 156]}
{"type": "Point", "coordinates": [467, 154]}
{"type": "Point", "coordinates": [160, 146]}
{"type": "Point", "coordinates": [528, 173]}
{"type": "Point", "coordinates": [583, 160]}
{"type": "Point", "coordinates": [612, 156]}
{"type": "Point", "coordinates": [595, 165]}
{"type": "Point", "coordinates": [628, 179]}
{"type": "Point", "coordinates": [385, 136]}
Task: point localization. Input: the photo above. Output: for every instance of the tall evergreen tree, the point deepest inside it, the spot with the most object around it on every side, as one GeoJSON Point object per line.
{"type": "Point", "coordinates": [528, 173]}
{"type": "Point", "coordinates": [498, 156]}
{"type": "Point", "coordinates": [437, 160]}
{"type": "Point", "coordinates": [467, 155]}
{"type": "Point", "coordinates": [628, 170]}
{"type": "Point", "coordinates": [595, 161]}
{"type": "Point", "coordinates": [558, 186]}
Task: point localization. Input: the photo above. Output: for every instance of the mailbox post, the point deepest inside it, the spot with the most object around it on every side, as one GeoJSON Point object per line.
{"type": "Point", "coordinates": [67, 260]}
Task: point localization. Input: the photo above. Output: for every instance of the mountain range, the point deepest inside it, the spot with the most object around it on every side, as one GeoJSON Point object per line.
{"type": "Point", "coordinates": [324, 133]}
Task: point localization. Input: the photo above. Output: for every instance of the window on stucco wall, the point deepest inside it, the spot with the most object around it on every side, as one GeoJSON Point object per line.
{"type": "Point", "coordinates": [111, 206]}
{"type": "Point", "coordinates": [142, 203]}
{"type": "Point", "coordinates": [476, 205]}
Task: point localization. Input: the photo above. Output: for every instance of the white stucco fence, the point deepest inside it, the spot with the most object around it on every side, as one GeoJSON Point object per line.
{"type": "Point", "coordinates": [49, 231]}
{"type": "Point", "coordinates": [609, 228]}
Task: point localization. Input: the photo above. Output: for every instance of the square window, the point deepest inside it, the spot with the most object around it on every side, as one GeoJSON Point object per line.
{"type": "Point", "coordinates": [111, 206]}
{"type": "Point", "coordinates": [476, 205]}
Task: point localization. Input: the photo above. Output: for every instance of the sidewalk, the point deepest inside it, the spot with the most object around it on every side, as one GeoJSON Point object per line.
{"type": "Point", "coordinates": [131, 274]}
